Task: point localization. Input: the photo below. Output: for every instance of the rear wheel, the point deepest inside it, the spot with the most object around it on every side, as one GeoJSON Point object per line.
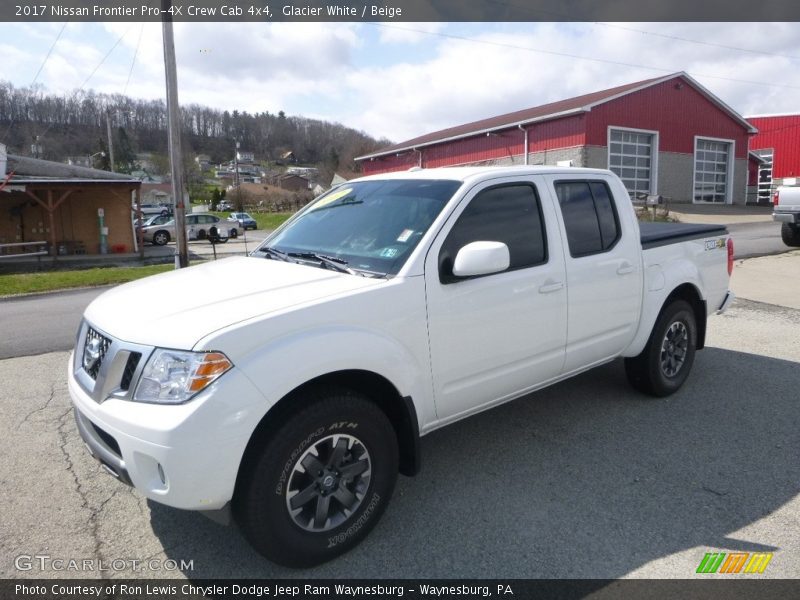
{"type": "Point", "coordinates": [321, 481]}
{"type": "Point", "coordinates": [790, 234]}
{"type": "Point", "coordinates": [666, 360]}
{"type": "Point", "coordinates": [234, 234]}
{"type": "Point", "coordinates": [160, 238]}
{"type": "Point", "coordinates": [201, 235]}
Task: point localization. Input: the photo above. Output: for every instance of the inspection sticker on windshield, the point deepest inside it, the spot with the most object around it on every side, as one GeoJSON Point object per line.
{"type": "Point", "coordinates": [404, 235]}
{"type": "Point", "coordinates": [388, 252]}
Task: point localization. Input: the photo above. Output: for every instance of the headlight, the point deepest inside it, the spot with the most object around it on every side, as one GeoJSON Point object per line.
{"type": "Point", "coordinates": [174, 376]}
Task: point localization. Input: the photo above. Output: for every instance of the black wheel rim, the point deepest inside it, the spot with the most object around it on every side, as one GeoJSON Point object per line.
{"type": "Point", "coordinates": [674, 347]}
{"type": "Point", "coordinates": [328, 483]}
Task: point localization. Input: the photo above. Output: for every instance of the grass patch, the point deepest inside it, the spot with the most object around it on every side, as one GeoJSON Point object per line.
{"type": "Point", "coordinates": [26, 283]}
{"type": "Point", "coordinates": [267, 221]}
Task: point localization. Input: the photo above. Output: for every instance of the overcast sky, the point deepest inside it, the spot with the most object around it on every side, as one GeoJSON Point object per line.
{"type": "Point", "coordinates": [406, 79]}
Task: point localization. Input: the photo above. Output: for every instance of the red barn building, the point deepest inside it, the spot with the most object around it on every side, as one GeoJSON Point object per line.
{"type": "Point", "coordinates": [667, 136]}
{"type": "Point", "coordinates": [777, 143]}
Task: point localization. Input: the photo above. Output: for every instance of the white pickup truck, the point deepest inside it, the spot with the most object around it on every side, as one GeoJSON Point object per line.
{"type": "Point", "coordinates": [391, 306]}
{"type": "Point", "coordinates": [786, 210]}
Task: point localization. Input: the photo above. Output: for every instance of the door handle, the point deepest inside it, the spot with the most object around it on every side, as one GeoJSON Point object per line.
{"type": "Point", "coordinates": [625, 268]}
{"type": "Point", "coordinates": [551, 286]}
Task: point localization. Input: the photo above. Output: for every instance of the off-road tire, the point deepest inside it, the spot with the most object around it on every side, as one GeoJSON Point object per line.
{"type": "Point", "coordinates": [294, 535]}
{"type": "Point", "coordinates": [790, 234]}
{"type": "Point", "coordinates": [666, 360]}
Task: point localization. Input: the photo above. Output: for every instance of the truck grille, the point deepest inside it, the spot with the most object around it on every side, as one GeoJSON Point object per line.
{"type": "Point", "coordinates": [95, 346]}
{"type": "Point", "coordinates": [130, 369]}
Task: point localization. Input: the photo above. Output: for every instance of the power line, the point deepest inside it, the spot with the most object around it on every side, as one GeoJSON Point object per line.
{"type": "Point", "coordinates": [35, 77]}
{"type": "Point", "coordinates": [700, 42]}
{"type": "Point", "coordinates": [579, 57]}
{"type": "Point", "coordinates": [49, 52]}
{"type": "Point", "coordinates": [133, 62]}
{"type": "Point", "coordinates": [88, 79]}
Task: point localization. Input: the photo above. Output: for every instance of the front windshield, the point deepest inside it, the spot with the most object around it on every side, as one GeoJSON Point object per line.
{"type": "Point", "coordinates": [371, 226]}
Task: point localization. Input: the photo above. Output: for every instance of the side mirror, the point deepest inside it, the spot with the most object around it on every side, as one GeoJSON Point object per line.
{"type": "Point", "coordinates": [481, 258]}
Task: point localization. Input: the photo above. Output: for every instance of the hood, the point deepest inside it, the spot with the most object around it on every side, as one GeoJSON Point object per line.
{"type": "Point", "coordinates": [177, 309]}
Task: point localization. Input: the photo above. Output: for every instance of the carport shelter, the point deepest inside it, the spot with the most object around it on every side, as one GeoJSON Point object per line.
{"type": "Point", "coordinates": [61, 205]}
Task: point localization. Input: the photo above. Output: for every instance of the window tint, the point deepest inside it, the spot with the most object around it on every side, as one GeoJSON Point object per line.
{"type": "Point", "coordinates": [589, 216]}
{"type": "Point", "coordinates": [510, 214]}
{"type": "Point", "coordinates": [191, 220]}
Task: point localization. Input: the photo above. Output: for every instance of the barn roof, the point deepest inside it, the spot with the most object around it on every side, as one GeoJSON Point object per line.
{"type": "Point", "coordinates": [546, 112]}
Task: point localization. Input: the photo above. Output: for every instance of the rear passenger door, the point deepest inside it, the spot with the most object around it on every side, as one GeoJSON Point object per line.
{"type": "Point", "coordinates": [494, 336]}
{"type": "Point", "coordinates": [603, 261]}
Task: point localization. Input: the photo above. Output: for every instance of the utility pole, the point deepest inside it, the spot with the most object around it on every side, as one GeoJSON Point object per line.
{"type": "Point", "coordinates": [174, 123]}
{"type": "Point", "coordinates": [110, 141]}
{"type": "Point", "coordinates": [236, 176]}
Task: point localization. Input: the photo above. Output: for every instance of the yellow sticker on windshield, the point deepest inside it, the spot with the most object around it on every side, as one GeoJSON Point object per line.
{"type": "Point", "coordinates": [331, 198]}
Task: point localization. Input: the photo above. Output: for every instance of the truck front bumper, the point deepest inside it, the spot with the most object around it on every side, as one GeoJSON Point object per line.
{"type": "Point", "coordinates": [186, 456]}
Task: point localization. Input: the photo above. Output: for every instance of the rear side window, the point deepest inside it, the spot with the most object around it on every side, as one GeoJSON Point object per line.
{"type": "Point", "coordinates": [510, 214]}
{"type": "Point", "coordinates": [589, 216]}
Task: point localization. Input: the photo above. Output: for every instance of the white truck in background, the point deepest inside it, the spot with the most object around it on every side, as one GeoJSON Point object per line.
{"type": "Point", "coordinates": [292, 396]}
{"type": "Point", "coordinates": [786, 210]}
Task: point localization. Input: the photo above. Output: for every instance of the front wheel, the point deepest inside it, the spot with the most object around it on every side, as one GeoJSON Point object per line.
{"type": "Point", "coordinates": [790, 234]}
{"type": "Point", "coordinates": [234, 234]}
{"type": "Point", "coordinates": [666, 360]}
{"type": "Point", "coordinates": [320, 482]}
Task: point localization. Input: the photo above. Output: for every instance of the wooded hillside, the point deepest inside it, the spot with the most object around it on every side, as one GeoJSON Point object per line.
{"type": "Point", "coordinates": [75, 125]}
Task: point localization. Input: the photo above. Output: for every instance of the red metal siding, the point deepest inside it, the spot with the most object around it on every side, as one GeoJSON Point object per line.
{"type": "Point", "coordinates": [677, 114]}
{"type": "Point", "coordinates": [783, 135]}
{"type": "Point", "coordinates": [390, 163]}
{"type": "Point", "coordinates": [549, 135]}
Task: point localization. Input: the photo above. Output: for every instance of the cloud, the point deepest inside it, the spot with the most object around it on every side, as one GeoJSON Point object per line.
{"type": "Point", "coordinates": [407, 79]}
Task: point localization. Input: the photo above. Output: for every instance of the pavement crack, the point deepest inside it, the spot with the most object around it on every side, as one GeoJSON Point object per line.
{"type": "Point", "coordinates": [80, 489]}
{"type": "Point", "coordinates": [40, 409]}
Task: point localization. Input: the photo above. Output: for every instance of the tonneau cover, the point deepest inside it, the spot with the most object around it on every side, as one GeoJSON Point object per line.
{"type": "Point", "coordinates": [661, 234]}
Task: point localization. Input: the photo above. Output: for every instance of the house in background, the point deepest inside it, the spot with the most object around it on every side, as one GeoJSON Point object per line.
{"type": "Point", "coordinates": [777, 145]}
{"type": "Point", "coordinates": [669, 136]}
{"type": "Point", "coordinates": [61, 204]}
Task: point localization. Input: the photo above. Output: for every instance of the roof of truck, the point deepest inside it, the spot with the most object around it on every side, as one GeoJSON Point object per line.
{"type": "Point", "coordinates": [470, 173]}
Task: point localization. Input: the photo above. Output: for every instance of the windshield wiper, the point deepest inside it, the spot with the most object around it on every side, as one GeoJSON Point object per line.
{"type": "Point", "coordinates": [330, 262]}
{"type": "Point", "coordinates": [275, 253]}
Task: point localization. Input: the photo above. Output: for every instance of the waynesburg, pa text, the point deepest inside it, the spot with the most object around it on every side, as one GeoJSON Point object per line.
{"type": "Point", "coordinates": [265, 590]}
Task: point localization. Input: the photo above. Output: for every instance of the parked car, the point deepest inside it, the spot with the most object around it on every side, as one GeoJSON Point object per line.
{"type": "Point", "coordinates": [224, 206]}
{"type": "Point", "coordinates": [154, 209]}
{"type": "Point", "coordinates": [244, 221]}
{"type": "Point", "coordinates": [153, 220]}
{"type": "Point", "coordinates": [787, 212]}
{"type": "Point", "coordinates": [197, 228]}
{"type": "Point", "coordinates": [292, 392]}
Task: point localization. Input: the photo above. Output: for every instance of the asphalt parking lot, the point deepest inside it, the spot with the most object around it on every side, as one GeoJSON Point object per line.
{"type": "Point", "coordinates": [585, 479]}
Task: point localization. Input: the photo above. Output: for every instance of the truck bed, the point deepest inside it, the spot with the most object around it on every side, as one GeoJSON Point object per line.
{"type": "Point", "coordinates": [662, 234]}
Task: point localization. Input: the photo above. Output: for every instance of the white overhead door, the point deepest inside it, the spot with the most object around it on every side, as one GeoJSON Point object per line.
{"type": "Point", "coordinates": [712, 170]}
{"type": "Point", "coordinates": [630, 156]}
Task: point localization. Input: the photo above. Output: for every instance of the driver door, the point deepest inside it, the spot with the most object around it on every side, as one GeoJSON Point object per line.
{"type": "Point", "coordinates": [495, 336]}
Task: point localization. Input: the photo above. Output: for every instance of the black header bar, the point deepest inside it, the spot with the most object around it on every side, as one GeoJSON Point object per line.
{"type": "Point", "coordinates": [269, 11]}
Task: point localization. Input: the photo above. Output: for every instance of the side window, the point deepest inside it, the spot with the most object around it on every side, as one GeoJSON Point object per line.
{"type": "Point", "coordinates": [191, 220]}
{"type": "Point", "coordinates": [589, 216]}
{"type": "Point", "coordinates": [510, 214]}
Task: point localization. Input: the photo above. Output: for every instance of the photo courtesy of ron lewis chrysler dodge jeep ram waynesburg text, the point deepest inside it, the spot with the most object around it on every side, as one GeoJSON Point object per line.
{"type": "Point", "coordinates": [292, 396]}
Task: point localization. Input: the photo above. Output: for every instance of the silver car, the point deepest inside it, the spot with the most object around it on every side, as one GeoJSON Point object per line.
{"type": "Point", "coordinates": [198, 226]}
